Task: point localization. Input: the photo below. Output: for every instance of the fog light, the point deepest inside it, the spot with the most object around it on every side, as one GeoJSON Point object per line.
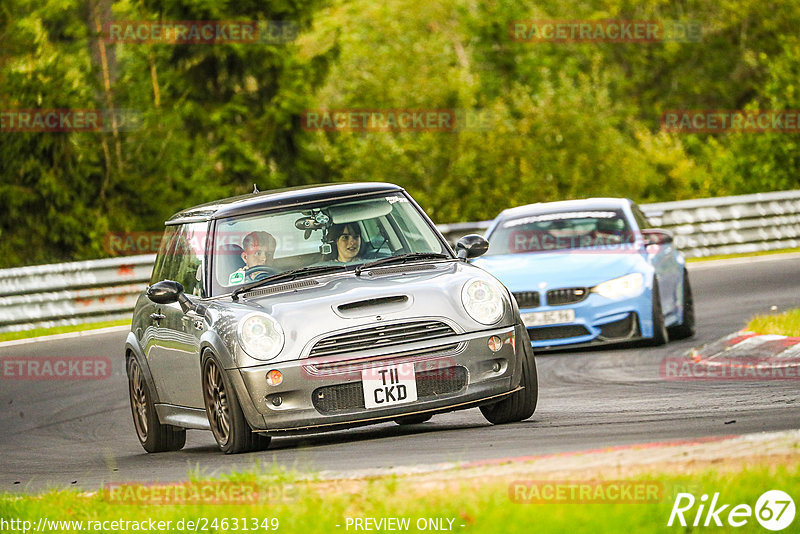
{"type": "Point", "coordinates": [274, 378]}
{"type": "Point", "coordinates": [496, 366]}
{"type": "Point", "coordinates": [277, 400]}
{"type": "Point", "coordinates": [495, 343]}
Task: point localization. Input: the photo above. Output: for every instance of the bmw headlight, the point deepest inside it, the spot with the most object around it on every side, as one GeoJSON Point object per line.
{"type": "Point", "coordinates": [624, 286]}
{"type": "Point", "coordinates": [260, 336]}
{"type": "Point", "coordinates": [483, 301]}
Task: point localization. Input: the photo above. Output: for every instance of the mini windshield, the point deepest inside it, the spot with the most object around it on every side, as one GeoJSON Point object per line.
{"type": "Point", "coordinates": [338, 233]}
{"type": "Point", "coordinates": [565, 230]}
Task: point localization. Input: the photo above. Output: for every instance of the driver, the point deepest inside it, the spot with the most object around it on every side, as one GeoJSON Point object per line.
{"type": "Point", "coordinates": [258, 251]}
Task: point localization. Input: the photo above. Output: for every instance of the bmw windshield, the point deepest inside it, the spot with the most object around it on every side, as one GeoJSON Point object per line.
{"type": "Point", "coordinates": [562, 231]}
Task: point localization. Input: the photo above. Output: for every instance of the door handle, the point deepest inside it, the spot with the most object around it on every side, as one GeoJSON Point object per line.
{"type": "Point", "coordinates": [157, 316]}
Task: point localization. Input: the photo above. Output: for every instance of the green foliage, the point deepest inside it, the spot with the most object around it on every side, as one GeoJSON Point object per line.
{"type": "Point", "coordinates": [562, 120]}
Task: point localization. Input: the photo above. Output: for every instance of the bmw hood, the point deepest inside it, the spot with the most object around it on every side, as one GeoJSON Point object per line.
{"type": "Point", "coordinates": [524, 272]}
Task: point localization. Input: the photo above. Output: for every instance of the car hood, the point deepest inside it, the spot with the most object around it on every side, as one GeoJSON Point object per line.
{"type": "Point", "coordinates": [524, 272]}
{"type": "Point", "coordinates": [313, 308]}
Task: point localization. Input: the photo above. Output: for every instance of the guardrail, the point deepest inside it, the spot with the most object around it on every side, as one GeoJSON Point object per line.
{"type": "Point", "coordinates": [104, 290]}
{"type": "Point", "coordinates": [710, 226]}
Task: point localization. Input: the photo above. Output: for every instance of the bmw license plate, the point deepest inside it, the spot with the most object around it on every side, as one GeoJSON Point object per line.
{"type": "Point", "coordinates": [387, 386]}
{"type": "Point", "coordinates": [548, 317]}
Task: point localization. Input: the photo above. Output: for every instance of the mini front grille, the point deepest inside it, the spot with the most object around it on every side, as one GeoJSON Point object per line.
{"type": "Point", "coordinates": [441, 381]}
{"type": "Point", "coordinates": [527, 299]}
{"type": "Point", "coordinates": [338, 365]}
{"type": "Point", "coordinates": [350, 396]}
{"type": "Point", "coordinates": [570, 295]}
{"type": "Point", "coordinates": [556, 332]}
{"type": "Point", "coordinates": [381, 336]}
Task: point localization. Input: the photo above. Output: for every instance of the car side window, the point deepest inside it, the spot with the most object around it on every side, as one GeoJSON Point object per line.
{"type": "Point", "coordinates": [165, 255]}
{"type": "Point", "coordinates": [181, 257]}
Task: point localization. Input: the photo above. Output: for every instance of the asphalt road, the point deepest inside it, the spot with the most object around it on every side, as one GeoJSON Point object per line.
{"type": "Point", "coordinates": [80, 433]}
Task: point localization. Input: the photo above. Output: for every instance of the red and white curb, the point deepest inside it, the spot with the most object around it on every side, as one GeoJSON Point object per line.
{"type": "Point", "coordinates": [743, 355]}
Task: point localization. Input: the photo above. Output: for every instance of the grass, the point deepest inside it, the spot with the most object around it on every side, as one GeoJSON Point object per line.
{"type": "Point", "coordinates": [474, 504]}
{"type": "Point", "coordinates": [784, 324]}
{"type": "Point", "coordinates": [36, 332]}
{"type": "Point", "coordinates": [744, 255]}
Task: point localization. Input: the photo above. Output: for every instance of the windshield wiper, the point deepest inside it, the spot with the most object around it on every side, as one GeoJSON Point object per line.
{"type": "Point", "coordinates": [287, 276]}
{"type": "Point", "coordinates": [402, 258]}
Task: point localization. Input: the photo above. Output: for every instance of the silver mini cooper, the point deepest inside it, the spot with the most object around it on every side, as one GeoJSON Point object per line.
{"type": "Point", "coordinates": [319, 308]}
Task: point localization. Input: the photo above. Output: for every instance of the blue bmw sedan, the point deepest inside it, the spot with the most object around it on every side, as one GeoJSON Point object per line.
{"type": "Point", "coordinates": [590, 271]}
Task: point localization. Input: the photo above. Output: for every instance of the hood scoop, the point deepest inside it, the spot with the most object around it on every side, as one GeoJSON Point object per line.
{"type": "Point", "coordinates": [362, 308]}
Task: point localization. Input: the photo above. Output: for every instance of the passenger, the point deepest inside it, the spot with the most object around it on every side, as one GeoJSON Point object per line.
{"type": "Point", "coordinates": [347, 238]}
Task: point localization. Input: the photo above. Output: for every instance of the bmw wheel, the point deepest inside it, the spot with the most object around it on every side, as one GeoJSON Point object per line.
{"type": "Point", "coordinates": [686, 328]}
{"type": "Point", "coordinates": [660, 335]}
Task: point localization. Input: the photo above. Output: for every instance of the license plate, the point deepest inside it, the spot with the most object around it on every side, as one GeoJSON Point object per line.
{"type": "Point", "coordinates": [387, 386]}
{"type": "Point", "coordinates": [548, 317]}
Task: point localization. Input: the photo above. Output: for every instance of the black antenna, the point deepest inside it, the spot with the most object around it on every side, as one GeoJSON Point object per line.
{"type": "Point", "coordinates": [255, 189]}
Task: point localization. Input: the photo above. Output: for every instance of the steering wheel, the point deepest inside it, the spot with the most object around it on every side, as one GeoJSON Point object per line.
{"type": "Point", "coordinates": [259, 272]}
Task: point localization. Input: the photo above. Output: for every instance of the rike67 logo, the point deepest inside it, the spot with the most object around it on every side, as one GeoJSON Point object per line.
{"type": "Point", "coordinates": [774, 510]}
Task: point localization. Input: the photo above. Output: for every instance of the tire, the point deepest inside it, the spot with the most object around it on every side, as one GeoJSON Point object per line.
{"type": "Point", "coordinates": [228, 424]}
{"type": "Point", "coordinates": [520, 405]}
{"type": "Point", "coordinates": [417, 419]}
{"type": "Point", "coordinates": [686, 328]}
{"type": "Point", "coordinates": [660, 334]}
{"type": "Point", "coordinates": [153, 436]}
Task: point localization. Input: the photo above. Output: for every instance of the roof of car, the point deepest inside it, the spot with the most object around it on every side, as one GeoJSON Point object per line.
{"type": "Point", "coordinates": [263, 200]}
{"type": "Point", "coordinates": [565, 205]}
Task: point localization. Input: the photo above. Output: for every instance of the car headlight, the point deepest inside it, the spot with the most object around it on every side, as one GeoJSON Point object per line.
{"type": "Point", "coordinates": [260, 335]}
{"type": "Point", "coordinates": [483, 301]}
{"type": "Point", "coordinates": [623, 286]}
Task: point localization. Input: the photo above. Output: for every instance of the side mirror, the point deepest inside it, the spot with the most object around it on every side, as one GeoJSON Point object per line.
{"type": "Point", "coordinates": [656, 237]}
{"type": "Point", "coordinates": [165, 292]}
{"type": "Point", "coordinates": [169, 291]}
{"type": "Point", "coordinates": [471, 246]}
